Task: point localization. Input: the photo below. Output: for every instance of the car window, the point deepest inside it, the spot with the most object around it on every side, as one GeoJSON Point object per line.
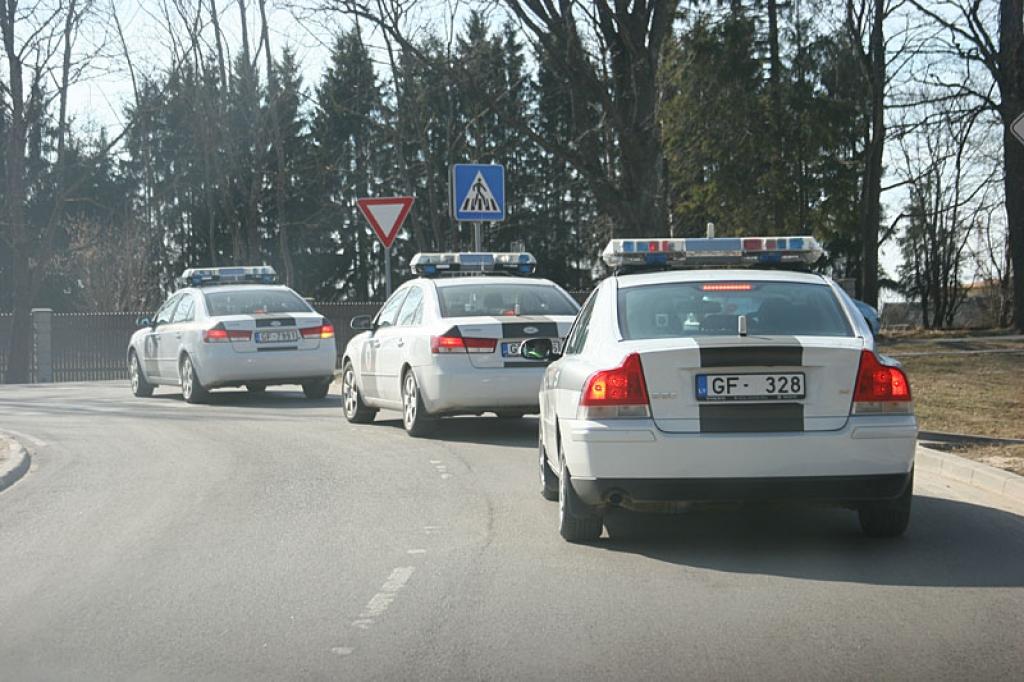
{"type": "Point", "coordinates": [389, 313]}
{"type": "Point", "coordinates": [684, 309]}
{"type": "Point", "coordinates": [581, 327]}
{"type": "Point", "coordinates": [504, 300]}
{"type": "Point", "coordinates": [255, 302]}
{"type": "Point", "coordinates": [163, 316]}
{"type": "Point", "coordinates": [185, 312]}
{"type": "Point", "coordinates": [412, 308]}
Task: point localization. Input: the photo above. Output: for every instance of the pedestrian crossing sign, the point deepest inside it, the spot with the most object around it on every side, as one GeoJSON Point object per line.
{"type": "Point", "coordinates": [478, 192]}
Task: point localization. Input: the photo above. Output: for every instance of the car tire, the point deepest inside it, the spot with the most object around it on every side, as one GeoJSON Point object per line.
{"type": "Point", "coordinates": [317, 390]}
{"type": "Point", "coordinates": [888, 518]}
{"type": "Point", "coordinates": [548, 480]}
{"type": "Point", "coordinates": [192, 390]}
{"type": "Point", "coordinates": [141, 387]}
{"type": "Point", "coordinates": [415, 418]}
{"type": "Point", "coordinates": [256, 389]}
{"type": "Point", "coordinates": [356, 411]}
{"type": "Point", "coordinates": [577, 521]}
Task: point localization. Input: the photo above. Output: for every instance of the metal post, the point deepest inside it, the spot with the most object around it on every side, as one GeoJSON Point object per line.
{"type": "Point", "coordinates": [387, 270]}
{"type": "Point", "coordinates": [42, 325]}
{"type": "Point", "coordinates": [478, 228]}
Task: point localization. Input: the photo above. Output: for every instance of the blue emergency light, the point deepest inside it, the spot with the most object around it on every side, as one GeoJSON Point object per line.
{"type": "Point", "coordinates": [473, 263]}
{"type": "Point", "coordinates": [712, 252]}
{"type": "Point", "coordinates": [250, 274]}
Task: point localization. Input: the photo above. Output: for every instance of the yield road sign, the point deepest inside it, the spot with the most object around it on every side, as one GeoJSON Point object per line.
{"type": "Point", "coordinates": [1017, 128]}
{"type": "Point", "coordinates": [478, 192]}
{"type": "Point", "coordinates": [386, 215]}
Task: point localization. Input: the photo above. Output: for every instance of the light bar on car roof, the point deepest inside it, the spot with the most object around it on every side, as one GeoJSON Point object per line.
{"type": "Point", "coordinates": [455, 263]}
{"type": "Point", "coordinates": [713, 251]}
{"type": "Point", "coordinates": [249, 274]}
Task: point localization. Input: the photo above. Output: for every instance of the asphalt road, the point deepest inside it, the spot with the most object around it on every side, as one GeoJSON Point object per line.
{"type": "Point", "coordinates": [265, 538]}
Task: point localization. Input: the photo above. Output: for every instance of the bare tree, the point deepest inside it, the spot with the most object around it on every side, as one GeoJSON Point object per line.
{"type": "Point", "coordinates": [980, 34]}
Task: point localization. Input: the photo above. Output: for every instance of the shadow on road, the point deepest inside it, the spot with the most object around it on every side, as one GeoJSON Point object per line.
{"type": "Point", "coordinates": [284, 399]}
{"type": "Point", "coordinates": [949, 544]}
{"type": "Point", "coordinates": [513, 433]}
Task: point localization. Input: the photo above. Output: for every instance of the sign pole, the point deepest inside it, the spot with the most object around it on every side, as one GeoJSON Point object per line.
{"type": "Point", "coordinates": [477, 236]}
{"type": "Point", "coordinates": [387, 271]}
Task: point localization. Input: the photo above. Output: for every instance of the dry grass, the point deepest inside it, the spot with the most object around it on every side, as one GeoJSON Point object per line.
{"type": "Point", "coordinates": [979, 394]}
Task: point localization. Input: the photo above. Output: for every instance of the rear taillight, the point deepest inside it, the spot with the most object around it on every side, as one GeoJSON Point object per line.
{"type": "Point", "coordinates": [220, 334]}
{"type": "Point", "coordinates": [880, 389]}
{"type": "Point", "coordinates": [322, 331]}
{"type": "Point", "coordinates": [459, 344]}
{"type": "Point", "coordinates": [619, 392]}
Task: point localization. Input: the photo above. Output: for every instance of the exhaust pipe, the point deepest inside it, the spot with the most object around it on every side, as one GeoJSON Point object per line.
{"type": "Point", "coordinates": [615, 499]}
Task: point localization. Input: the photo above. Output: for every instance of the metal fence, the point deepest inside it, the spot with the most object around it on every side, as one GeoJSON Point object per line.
{"type": "Point", "coordinates": [92, 346]}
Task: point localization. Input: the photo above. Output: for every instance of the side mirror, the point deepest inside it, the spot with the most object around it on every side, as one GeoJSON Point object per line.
{"type": "Point", "coordinates": [538, 349]}
{"type": "Point", "coordinates": [361, 323]}
{"type": "Point", "coordinates": [143, 322]}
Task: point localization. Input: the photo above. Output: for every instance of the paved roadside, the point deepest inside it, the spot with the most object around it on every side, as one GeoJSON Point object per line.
{"type": "Point", "coordinates": [14, 461]}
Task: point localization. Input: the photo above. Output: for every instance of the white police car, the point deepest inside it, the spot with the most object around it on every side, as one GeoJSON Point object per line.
{"type": "Point", "coordinates": [683, 385]}
{"type": "Point", "coordinates": [232, 327]}
{"type": "Point", "coordinates": [450, 345]}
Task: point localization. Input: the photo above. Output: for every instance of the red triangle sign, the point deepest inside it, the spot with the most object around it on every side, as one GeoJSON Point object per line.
{"type": "Point", "coordinates": [386, 215]}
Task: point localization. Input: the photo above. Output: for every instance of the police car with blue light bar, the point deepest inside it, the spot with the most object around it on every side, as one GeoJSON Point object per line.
{"type": "Point", "coordinates": [232, 326]}
{"type": "Point", "coordinates": [447, 342]}
{"type": "Point", "coordinates": [713, 369]}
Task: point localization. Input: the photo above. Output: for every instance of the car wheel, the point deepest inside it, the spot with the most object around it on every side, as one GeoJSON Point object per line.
{"type": "Point", "coordinates": [577, 521]}
{"type": "Point", "coordinates": [141, 388]}
{"type": "Point", "coordinates": [888, 518]}
{"type": "Point", "coordinates": [317, 390]}
{"type": "Point", "coordinates": [355, 409]}
{"type": "Point", "coordinates": [415, 419]}
{"type": "Point", "coordinates": [548, 480]}
{"type": "Point", "coordinates": [191, 389]}
{"type": "Point", "coordinates": [257, 389]}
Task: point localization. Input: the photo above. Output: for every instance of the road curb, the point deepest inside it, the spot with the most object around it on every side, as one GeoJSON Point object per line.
{"type": "Point", "coordinates": [974, 474]}
{"type": "Point", "coordinates": [20, 462]}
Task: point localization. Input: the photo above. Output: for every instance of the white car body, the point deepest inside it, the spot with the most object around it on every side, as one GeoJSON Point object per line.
{"type": "Point", "coordinates": [453, 382]}
{"type": "Point", "coordinates": [177, 331]}
{"type": "Point", "coordinates": [686, 450]}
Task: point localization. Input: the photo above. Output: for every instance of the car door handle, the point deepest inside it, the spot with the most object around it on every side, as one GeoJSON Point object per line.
{"type": "Point", "coordinates": [178, 335]}
{"type": "Point", "coordinates": [400, 343]}
{"type": "Point", "coordinates": [374, 343]}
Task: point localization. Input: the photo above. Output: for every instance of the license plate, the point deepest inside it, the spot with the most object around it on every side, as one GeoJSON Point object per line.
{"type": "Point", "coordinates": [510, 349]}
{"type": "Point", "coordinates": [277, 336]}
{"type": "Point", "coordinates": [750, 386]}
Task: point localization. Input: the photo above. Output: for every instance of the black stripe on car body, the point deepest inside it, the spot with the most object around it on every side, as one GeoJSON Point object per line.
{"type": "Point", "coordinates": [751, 418]}
{"type": "Point", "coordinates": [753, 353]}
{"type": "Point", "coordinates": [517, 330]}
{"type": "Point", "coordinates": [275, 322]}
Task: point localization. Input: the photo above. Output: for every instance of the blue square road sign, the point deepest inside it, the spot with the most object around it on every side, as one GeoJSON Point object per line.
{"type": "Point", "coordinates": [478, 192]}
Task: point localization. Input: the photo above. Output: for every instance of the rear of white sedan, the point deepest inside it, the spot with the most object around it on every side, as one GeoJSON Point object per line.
{"type": "Point", "coordinates": [447, 343]}
{"type": "Point", "coordinates": [700, 385]}
{"type": "Point", "coordinates": [229, 329]}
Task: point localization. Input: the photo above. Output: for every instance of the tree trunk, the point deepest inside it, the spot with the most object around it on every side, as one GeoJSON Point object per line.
{"type": "Point", "coordinates": [870, 213]}
{"type": "Point", "coordinates": [1011, 86]}
{"type": "Point", "coordinates": [775, 93]}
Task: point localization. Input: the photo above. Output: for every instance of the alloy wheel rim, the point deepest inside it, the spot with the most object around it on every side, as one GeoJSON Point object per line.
{"type": "Point", "coordinates": [410, 400]}
{"type": "Point", "coordinates": [350, 393]}
{"type": "Point", "coordinates": [186, 377]}
{"type": "Point", "coordinates": [133, 372]}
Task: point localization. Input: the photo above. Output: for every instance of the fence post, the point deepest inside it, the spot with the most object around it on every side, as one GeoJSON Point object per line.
{"type": "Point", "coordinates": [42, 325]}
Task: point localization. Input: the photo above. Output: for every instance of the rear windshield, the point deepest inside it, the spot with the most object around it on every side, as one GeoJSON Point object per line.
{"type": "Point", "coordinates": [254, 302]}
{"type": "Point", "coordinates": [683, 309]}
{"type": "Point", "coordinates": [504, 299]}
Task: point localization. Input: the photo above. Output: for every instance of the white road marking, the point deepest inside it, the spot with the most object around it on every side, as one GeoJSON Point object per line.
{"type": "Point", "coordinates": [380, 602]}
{"type": "Point", "coordinates": [431, 530]}
{"type": "Point", "coordinates": [38, 442]}
{"type": "Point", "coordinates": [341, 650]}
{"type": "Point", "coordinates": [445, 476]}
{"type": "Point", "coordinates": [416, 551]}
{"type": "Point", "coordinates": [435, 461]}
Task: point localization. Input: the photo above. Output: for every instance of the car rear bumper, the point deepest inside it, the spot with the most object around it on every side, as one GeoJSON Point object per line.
{"type": "Point", "coordinates": [219, 365]}
{"type": "Point", "coordinates": [627, 491]}
{"type": "Point", "coordinates": [600, 453]}
{"type": "Point", "coordinates": [450, 390]}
